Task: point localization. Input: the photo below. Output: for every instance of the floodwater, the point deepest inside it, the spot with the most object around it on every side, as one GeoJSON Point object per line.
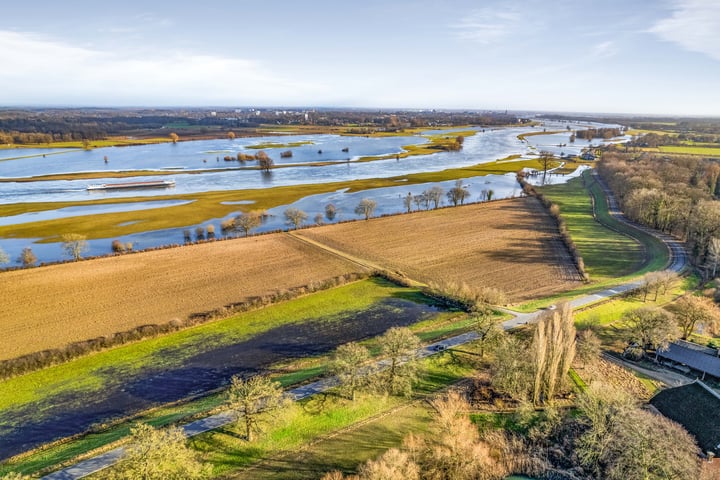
{"type": "Point", "coordinates": [182, 374]}
{"type": "Point", "coordinates": [217, 174]}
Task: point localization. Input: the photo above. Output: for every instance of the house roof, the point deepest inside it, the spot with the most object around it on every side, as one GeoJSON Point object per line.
{"type": "Point", "coordinates": [695, 358]}
{"type": "Point", "coordinates": [695, 406]}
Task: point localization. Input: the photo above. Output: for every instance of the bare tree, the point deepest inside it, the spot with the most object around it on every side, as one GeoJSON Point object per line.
{"type": "Point", "coordinates": [407, 202]}
{"type": "Point", "coordinates": [158, 454]}
{"type": "Point", "coordinates": [691, 311]}
{"type": "Point", "coordinates": [434, 195]}
{"type": "Point", "coordinates": [74, 245]}
{"type": "Point", "coordinates": [399, 346]}
{"type": "Point", "coordinates": [512, 372]}
{"type": "Point", "coordinates": [366, 207]}
{"type": "Point", "coordinates": [651, 327]}
{"type": "Point", "coordinates": [714, 254]}
{"type": "Point", "coordinates": [231, 135]}
{"type": "Point", "coordinates": [546, 159]}
{"type": "Point", "coordinates": [247, 222]}
{"type": "Point", "coordinates": [458, 193]}
{"type": "Point", "coordinates": [295, 217]}
{"type": "Point", "coordinates": [623, 442]}
{"type": "Point", "coordinates": [330, 211]}
{"type": "Point", "coordinates": [420, 200]}
{"type": "Point", "coordinates": [4, 258]}
{"type": "Point", "coordinates": [349, 363]}
{"type": "Point", "coordinates": [27, 258]}
{"type": "Point", "coordinates": [588, 347]}
{"type": "Point", "coordinates": [174, 137]}
{"type": "Point", "coordinates": [488, 328]}
{"type": "Point", "coordinates": [250, 399]}
{"type": "Point", "coordinates": [393, 464]}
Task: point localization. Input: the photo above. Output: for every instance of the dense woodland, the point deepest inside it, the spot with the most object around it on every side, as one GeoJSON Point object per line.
{"type": "Point", "coordinates": [676, 194]}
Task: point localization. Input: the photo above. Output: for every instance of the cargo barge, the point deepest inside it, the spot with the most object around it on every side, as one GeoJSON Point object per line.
{"type": "Point", "coordinates": [124, 185]}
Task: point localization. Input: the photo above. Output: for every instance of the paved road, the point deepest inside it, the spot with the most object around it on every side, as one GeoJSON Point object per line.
{"type": "Point", "coordinates": [677, 263]}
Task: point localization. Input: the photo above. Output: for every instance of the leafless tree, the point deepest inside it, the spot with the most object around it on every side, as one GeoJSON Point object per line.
{"type": "Point", "coordinates": [366, 207]}
{"type": "Point", "coordinates": [553, 350]}
{"type": "Point", "coordinates": [295, 217]}
{"type": "Point", "coordinates": [651, 327]}
{"type": "Point", "coordinates": [247, 222]}
{"type": "Point", "coordinates": [74, 245]}
{"type": "Point", "coordinates": [27, 257]}
{"type": "Point", "coordinates": [458, 193]}
{"type": "Point", "coordinates": [157, 454]}
{"type": "Point", "coordinates": [434, 194]}
{"type": "Point", "coordinates": [399, 346]}
{"type": "Point", "coordinates": [407, 202]}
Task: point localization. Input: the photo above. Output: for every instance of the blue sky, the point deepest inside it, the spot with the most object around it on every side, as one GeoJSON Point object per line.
{"type": "Point", "coordinates": [629, 56]}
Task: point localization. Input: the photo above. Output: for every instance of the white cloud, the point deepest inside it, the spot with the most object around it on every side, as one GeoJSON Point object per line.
{"type": "Point", "coordinates": [605, 49]}
{"type": "Point", "coordinates": [35, 67]}
{"type": "Point", "coordinates": [694, 25]}
{"type": "Point", "coordinates": [487, 26]}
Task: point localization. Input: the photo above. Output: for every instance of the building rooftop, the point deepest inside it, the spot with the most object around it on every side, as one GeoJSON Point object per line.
{"type": "Point", "coordinates": [694, 356]}
{"type": "Point", "coordinates": [696, 407]}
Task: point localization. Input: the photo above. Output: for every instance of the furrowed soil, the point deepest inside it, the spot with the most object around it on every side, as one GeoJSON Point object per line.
{"type": "Point", "coordinates": [49, 307]}
{"type": "Point", "coordinates": [512, 245]}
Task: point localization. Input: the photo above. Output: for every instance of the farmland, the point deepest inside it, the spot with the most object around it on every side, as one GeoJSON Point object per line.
{"type": "Point", "coordinates": [510, 245]}
{"type": "Point", "coordinates": [507, 244]}
{"type": "Point", "coordinates": [49, 307]}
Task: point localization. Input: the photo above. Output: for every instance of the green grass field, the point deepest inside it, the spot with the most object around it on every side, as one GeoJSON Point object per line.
{"type": "Point", "coordinates": [607, 253]}
{"type": "Point", "coordinates": [319, 416]}
{"type": "Point", "coordinates": [86, 373]}
{"type": "Point", "coordinates": [691, 150]}
{"type": "Point", "coordinates": [612, 252]}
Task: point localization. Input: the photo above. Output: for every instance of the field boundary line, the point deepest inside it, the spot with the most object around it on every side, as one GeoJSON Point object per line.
{"type": "Point", "coordinates": [338, 253]}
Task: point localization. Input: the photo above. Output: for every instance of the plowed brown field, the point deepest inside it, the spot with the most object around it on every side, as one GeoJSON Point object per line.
{"type": "Point", "coordinates": [49, 307]}
{"type": "Point", "coordinates": [511, 244]}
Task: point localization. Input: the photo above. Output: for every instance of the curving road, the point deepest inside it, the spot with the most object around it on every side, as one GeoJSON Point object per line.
{"type": "Point", "coordinates": [678, 261]}
{"type": "Point", "coordinates": [678, 255]}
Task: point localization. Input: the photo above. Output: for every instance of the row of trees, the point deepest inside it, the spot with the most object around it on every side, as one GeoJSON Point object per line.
{"type": "Point", "coordinates": [74, 245]}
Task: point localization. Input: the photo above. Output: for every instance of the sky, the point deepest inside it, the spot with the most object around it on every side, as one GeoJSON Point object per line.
{"type": "Point", "coordinates": [611, 56]}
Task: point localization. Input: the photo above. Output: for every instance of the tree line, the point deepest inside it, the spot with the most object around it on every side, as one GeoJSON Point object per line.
{"type": "Point", "coordinates": [675, 194]}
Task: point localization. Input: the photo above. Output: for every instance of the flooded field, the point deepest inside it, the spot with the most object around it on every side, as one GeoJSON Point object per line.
{"type": "Point", "coordinates": [170, 374]}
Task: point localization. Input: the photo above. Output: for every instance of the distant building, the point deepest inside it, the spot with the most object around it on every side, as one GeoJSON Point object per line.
{"type": "Point", "coordinates": [695, 406]}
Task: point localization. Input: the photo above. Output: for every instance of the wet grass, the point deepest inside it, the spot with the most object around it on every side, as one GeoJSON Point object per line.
{"type": "Point", "coordinates": [108, 142]}
{"type": "Point", "coordinates": [289, 373]}
{"type": "Point", "coordinates": [88, 373]}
